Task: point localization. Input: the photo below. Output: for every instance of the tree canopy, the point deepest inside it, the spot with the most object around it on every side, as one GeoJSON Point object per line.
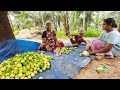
{"type": "Point", "coordinates": [62, 20]}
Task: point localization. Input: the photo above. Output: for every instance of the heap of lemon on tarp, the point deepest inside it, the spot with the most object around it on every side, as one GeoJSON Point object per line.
{"type": "Point", "coordinates": [67, 50]}
{"type": "Point", "coordinates": [24, 66]}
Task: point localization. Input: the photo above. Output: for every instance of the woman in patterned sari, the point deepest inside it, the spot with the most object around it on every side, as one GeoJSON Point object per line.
{"type": "Point", "coordinates": [49, 41]}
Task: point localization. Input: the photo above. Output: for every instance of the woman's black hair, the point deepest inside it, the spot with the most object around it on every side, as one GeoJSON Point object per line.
{"type": "Point", "coordinates": [48, 23]}
{"type": "Point", "coordinates": [111, 21]}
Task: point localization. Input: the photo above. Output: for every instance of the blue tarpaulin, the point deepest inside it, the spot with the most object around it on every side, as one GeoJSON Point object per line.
{"type": "Point", "coordinates": [63, 67]}
{"type": "Point", "coordinates": [9, 48]}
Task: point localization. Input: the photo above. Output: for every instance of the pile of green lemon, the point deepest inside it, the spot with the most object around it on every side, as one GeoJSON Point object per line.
{"type": "Point", "coordinates": [24, 66]}
{"type": "Point", "coordinates": [67, 50]}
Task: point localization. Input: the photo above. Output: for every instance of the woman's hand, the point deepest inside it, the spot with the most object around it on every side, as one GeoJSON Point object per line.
{"type": "Point", "coordinates": [48, 48]}
{"type": "Point", "coordinates": [91, 52]}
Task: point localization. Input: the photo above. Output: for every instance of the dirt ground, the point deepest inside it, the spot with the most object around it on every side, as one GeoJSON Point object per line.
{"type": "Point", "coordinates": [89, 72]}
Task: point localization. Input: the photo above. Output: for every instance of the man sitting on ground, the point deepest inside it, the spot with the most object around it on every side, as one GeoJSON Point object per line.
{"type": "Point", "coordinates": [76, 40]}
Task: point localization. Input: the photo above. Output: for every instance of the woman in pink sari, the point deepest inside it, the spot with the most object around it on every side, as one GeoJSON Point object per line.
{"type": "Point", "coordinates": [109, 41]}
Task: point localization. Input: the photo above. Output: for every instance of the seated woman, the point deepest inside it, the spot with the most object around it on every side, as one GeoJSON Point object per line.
{"type": "Point", "coordinates": [109, 41]}
{"type": "Point", "coordinates": [76, 40]}
{"type": "Point", "coordinates": [49, 41]}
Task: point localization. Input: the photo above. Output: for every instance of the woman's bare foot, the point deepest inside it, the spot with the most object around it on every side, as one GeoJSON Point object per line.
{"type": "Point", "coordinates": [99, 57]}
{"type": "Point", "coordinates": [109, 56]}
{"type": "Point", "coordinates": [58, 54]}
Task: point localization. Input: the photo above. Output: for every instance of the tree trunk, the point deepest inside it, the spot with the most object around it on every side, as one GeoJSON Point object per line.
{"type": "Point", "coordinates": [66, 23]}
{"type": "Point", "coordinates": [56, 26]}
{"type": "Point", "coordinates": [84, 27]}
{"type": "Point", "coordinates": [54, 22]}
{"type": "Point", "coordinates": [59, 23]}
{"type": "Point", "coordinates": [5, 28]}
{"type": "Point", "coordinates": [43, 20]}
{"type": "Point", "coordinates": [97, 21]}
{"type": "Point", "coordinates": [10, 21]}
{"type": "Point", "coordinates": [119, 28]}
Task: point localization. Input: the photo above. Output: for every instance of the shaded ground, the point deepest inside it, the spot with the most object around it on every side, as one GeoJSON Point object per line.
{"type": "Point", "coordinates": [89, 72]}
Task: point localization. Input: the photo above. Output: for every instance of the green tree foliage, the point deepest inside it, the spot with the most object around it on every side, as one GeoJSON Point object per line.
{"type": "Point", "coordinates": [62, 20]}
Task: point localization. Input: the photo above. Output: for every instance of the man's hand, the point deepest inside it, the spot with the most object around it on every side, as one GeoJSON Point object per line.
{"type": "Point", "coordinates": [75, 45]}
